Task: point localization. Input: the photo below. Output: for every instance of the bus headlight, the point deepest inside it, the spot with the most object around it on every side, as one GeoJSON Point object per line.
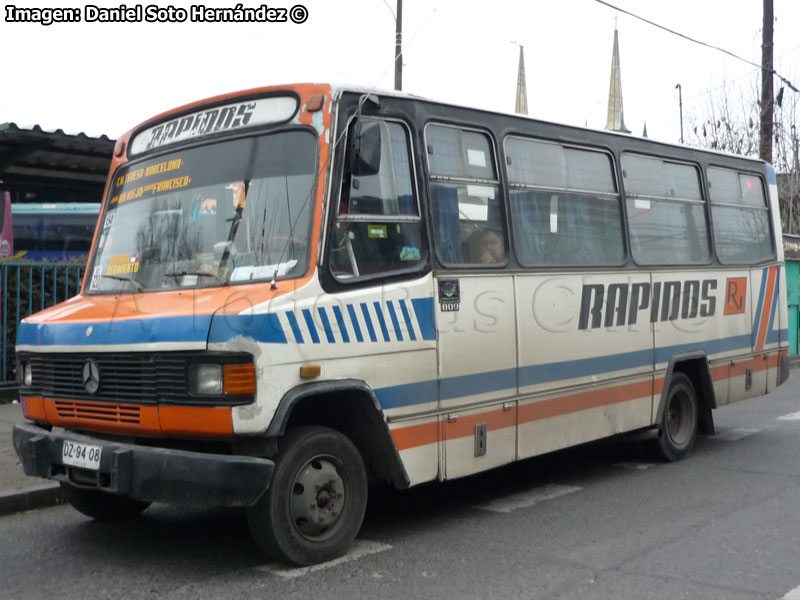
{"type": "Point", "coordinates": [205, 380]}
{"type": "Point", "coordinates": [25, 374]}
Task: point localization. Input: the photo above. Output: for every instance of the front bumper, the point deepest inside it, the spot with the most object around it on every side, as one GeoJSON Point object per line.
{"type": "Point", "coordinates": [146, 473]}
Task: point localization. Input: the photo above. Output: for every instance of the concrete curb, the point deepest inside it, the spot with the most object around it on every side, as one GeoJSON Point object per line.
{"type": "Point", "coordinates": [40, 496]}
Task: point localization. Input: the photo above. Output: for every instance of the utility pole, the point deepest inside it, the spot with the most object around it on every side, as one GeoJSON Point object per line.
{"type": "Point", "coordinates": [767, 96]}
{"type": "Point", "coordinates": [398, 48]}
{"type": "Point", "coordinates": [680, 107]}
{"type": "Point", "coordinates": [793, 179]}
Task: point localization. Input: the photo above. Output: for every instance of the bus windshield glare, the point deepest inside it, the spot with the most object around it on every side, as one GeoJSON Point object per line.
{"type": "Point", "coordinates": [219, 214]}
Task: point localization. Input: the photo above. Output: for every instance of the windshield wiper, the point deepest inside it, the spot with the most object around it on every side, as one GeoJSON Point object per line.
{"type": "Point", "coordinates": [139, 287]}
{"type": "Point", "coordinates": [176, 274]}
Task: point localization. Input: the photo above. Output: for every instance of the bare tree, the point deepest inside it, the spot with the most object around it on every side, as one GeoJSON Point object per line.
{"type": "Point", "coordinates": [729, 122]}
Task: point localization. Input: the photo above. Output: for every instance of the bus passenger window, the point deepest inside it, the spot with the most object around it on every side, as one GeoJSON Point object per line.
{"type": "Point", "coordinates": [666, 212]}
{"type": "Point", "coordinates": [378, 225]}
{"type": "Point", "coordinates": [564, 203]}
{"type": "Point", "coordinates": [742, 231]}
{"type": "Point", "coordinates": [468, 216]}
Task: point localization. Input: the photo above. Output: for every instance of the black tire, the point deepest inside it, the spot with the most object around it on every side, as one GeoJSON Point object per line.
{"type": "Point", "coordinates": [678, 428]}
{"type": "Point", "coordinates": [102, 506]}
{"type": "Point", "coordinates": [316, 501]}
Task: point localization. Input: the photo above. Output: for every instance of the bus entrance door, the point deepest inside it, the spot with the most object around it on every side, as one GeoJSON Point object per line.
{"type": "Point", "coordinates": [476, 321]}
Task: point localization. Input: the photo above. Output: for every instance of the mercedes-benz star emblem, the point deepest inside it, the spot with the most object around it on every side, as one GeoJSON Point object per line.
{"type": "Point", "coordinates": [91, 376]}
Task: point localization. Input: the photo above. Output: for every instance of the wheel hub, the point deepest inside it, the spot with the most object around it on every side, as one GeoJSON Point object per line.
{"type": "Point", "coordinates": [317, 498]}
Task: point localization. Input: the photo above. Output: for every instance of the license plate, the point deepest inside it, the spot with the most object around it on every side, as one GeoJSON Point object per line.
{"type": "Point", "coordinates": [80, 455]}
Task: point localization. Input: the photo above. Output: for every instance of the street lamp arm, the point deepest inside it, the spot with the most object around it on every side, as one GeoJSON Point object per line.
{"type": "Point", "coordinates": [390, 10]}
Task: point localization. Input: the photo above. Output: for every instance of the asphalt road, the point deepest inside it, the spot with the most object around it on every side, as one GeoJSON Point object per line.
{"type": "Point", "coordinates": [593, 522]}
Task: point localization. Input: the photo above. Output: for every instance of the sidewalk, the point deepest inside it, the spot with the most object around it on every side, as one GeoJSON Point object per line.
{"type": "Point", "coordinates": [18, 491]}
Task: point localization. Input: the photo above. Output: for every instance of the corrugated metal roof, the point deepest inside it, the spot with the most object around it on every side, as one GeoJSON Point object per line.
{"type": "Point", "coordinates": [69, 167]}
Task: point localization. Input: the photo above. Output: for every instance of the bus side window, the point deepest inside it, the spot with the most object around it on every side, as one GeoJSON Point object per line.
{"type": "Point", "coordinates": [378, 225]}
{"type": "Point", "coordinates": [465, 197]}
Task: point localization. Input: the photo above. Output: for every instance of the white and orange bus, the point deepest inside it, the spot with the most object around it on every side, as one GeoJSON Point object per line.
{"type": "Point", "coordinates": [296, 289]}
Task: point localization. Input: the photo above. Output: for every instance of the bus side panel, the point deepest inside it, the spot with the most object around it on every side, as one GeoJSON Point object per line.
{"type": "Point", "coordinates": [589, 412]}
{"type": "Point", "coordinates": [749, 373]}
{"type": "Point", "coordinates": [706, 311]}
{"type": "Point", "coordinates": [478, 372]}
{"type": "Point", "coordinates": [586, 358]}
{"type": "Point", "coordinates": [782, 323]}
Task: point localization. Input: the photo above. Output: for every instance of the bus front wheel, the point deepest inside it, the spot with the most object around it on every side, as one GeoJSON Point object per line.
{"type": "Point", "coordinates": [316, 501]}
{"type": "Point", "coordinates": [678, 428]}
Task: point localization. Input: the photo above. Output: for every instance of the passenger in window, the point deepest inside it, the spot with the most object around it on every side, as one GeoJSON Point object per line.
{"type": "Point", "coordinates": [488, 247]}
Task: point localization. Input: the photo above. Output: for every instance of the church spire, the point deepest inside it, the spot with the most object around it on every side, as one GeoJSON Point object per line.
{"type": "Point", "coordinates": [521, 107]}
{"type": "Point", "coordinates": [616, 121]}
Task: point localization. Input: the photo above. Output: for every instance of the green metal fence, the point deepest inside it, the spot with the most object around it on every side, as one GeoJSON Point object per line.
{"type": "Point", "coordinates": [28, 288]}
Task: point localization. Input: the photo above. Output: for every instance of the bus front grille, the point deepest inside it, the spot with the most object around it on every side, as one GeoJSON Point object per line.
{"type": "Point", "coordinates": [99, 412]}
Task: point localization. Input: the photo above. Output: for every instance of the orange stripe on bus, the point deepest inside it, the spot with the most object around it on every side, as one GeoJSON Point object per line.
{"type": "Point", "coordinates": [556, 407]}
{"type": "Point", "coordinates": [737, 369]}
{"type": "Point", "coordinates": [416, 435]}
{"type": "Point", "coordinates": [464, 425]}
{"type": "Point", "coordinates": [211, 421]}
{"type": "Point", "coordinates": [205, 421]}
{"type": "Point", "coordinates": [103, 416]}
{"type": "Point", "coordinates": [420, 435]}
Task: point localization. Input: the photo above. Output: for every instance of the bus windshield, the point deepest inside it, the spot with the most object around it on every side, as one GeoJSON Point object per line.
{"type": "Point", "coordinates": [225, 213]}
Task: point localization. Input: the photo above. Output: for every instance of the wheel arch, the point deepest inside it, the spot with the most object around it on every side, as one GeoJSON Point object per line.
{"type": "Point", "coordinates": [351, 407]}
{"type": "Point", "coordinates": [693, 364]}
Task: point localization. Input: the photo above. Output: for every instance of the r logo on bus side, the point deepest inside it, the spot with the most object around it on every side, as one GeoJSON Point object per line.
{"type": "Point", "coordinates": [735, 288]}
{"type": "Point", "coordinates": [449, 295]}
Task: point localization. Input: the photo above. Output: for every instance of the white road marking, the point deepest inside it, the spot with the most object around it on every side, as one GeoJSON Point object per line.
{"type": "Point", "coordinates": [793, 595]}
{"type": "Point", "coordinates": [795, 416]}
{"type": "Point", "coordinates": [529, 498]}
{"type": "Point", "coordinates": [635, 466]}
{"type": "Point", "coordinates": [733, 435]}
{"type": "Point", "coordinates": [360, 549]}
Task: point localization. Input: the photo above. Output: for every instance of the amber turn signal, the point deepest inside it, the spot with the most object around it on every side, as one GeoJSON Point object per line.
{"type": "Point", "coordinates": [239, 379]}
{"type": "Point", "coordinates": [310, 371]}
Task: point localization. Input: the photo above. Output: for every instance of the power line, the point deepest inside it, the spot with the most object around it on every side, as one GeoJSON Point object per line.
{"type": "Point", "coordinates": [686, 37]}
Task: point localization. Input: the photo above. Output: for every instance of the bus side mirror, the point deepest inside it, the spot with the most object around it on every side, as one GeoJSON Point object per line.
{"type": "Point", "coordinates": [365, 149]}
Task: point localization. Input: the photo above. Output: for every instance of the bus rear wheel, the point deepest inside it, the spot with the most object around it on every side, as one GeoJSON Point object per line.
{"type": "Point", "coordinates": [678, 429]}
{"type": "Point", "coordinates": [316, 501]}
{"type": "Point", "coordinates": [102, 506]}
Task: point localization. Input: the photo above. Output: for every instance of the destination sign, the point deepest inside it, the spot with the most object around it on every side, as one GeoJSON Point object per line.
{"type": "Point", "coordinates": [230, 117]}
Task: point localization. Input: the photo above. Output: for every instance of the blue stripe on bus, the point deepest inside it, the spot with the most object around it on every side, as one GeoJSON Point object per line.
{"type": "Point", "coordinates": [395, 322]}
{"type": "Point", "coordinates": [354, 322]}
{"type": "Point", "coordinates": [193, 328]}
{"type": "Point", "coordinates": [759, 306]}
{"type": "Point", "coordinates": [312, 327]}
{"type": "Point", "coordinates": [648, 357]}
{"type": "Point", "coordinates": [382, 322]}
{"type": "Point", "coordinates": [492, 381]}
{"type": "Point", "coordinates": [264, 328]}
{"type": "Point", "coordinates": [423, 308]}
{"type": "Point", "coordinates": [368, 320]}
{"type": "Point", "coordinates": [337, 312]}
{"type": "Point", "coordinates": [407, 318]}
{"type": "Point", "coordinates": [326, 325]}
{"type": "Point", "coordinates": [408, 394]}
{"type": "Point", "coordinates": [298, 335]}
{"type": "Point", "coordinates": [478, 383]}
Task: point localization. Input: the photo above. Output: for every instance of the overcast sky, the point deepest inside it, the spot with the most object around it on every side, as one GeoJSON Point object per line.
{"type": "Point", "coordinates": [104, 78]}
